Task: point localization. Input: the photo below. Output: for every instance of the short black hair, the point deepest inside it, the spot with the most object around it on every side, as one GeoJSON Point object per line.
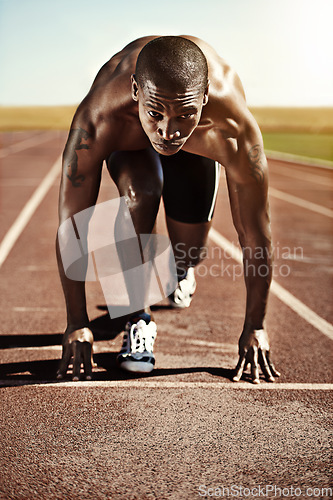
{"type": "Point", "coordinates": [172, 62]}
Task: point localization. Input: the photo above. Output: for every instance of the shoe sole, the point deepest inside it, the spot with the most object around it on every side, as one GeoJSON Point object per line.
{"type": "Point", "coordinates": [180, 305]}
{"type": "Point", "coordinates": [174, 305]}
{"type": "Point", "coordinates": [136, 366]}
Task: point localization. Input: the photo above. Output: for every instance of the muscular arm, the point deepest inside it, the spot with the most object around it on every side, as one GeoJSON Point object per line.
{"type": "Point", "coordinates": [250, 211]}
{"type": "Point", "coordinates": [247, 179]}
{"type": "Point", "coordinates": [82, 163]}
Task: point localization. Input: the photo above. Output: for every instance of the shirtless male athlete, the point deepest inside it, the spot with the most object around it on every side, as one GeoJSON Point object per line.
{"type": "Point", "coordinates": [165, 113]}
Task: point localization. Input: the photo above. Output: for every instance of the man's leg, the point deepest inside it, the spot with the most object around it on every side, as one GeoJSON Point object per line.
{"type": "Point", "coordinates": [189, 194]}
{"type": "Point", "coordinates": [139, 179]}
{"type": "Point", "coordinates": [138, 176]}
{"type": "Point", "coordinates": [189, 243]}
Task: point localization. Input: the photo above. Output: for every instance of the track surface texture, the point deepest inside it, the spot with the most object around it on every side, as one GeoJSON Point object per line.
{"type": "Point", "coordinates": [185, 431]}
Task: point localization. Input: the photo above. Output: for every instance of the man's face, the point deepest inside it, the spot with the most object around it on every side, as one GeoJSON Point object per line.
{"type": "Point", "coordinates": [168, 118]}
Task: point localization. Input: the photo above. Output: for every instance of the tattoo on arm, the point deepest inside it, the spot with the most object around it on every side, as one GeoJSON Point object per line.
{"type": "Point", "coordinates": [257, 161]}
{"type": "Point", "coordinates": [75, 143]}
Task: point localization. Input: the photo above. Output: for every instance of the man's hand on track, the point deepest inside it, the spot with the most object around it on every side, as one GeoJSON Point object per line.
{"type": "Point", "coordinates": [254, 350]}
{"type": "Point", "coordinates": [77, 347]}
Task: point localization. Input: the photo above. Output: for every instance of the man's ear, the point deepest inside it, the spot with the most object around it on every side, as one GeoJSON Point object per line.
{"type": "Point", "coordinates": [205, 98]}
{"type": "Point", "coordinates": [135, 88]}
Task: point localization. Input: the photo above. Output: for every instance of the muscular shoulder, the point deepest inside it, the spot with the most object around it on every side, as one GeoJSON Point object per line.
{"type": "Point", "coordinates": [121, 63]}
{"type": "Point", "coordinates": [110, 93]}
{"type": "Point", "coordinates": [227, 109]}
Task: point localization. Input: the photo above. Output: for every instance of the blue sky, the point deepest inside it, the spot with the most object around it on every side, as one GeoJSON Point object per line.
{"type": "Point", "coordinates": [50, 50]}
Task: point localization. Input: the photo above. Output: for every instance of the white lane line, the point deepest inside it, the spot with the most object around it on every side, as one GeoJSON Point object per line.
{"type": "Point", "coordinates": [57, 348]}
{"type": "Point", "coordinates": [276, 193]}
{"type": "Point", "coordinates": [300, 160]}
{"type": "Point", "coordinates": [303, 176]}
{"type": "Point", "coordinates": [40, 268]}
{"type": "Point", "coordinates": [27, 212]}
{"type": "Point", "coordinates": [286, 297]}
{"type": "Point", "coordinates": [215, 346]}
{"type": "Point", "coordinates": [150, 384]}
{"type": "Point", "coordinates": [302, 310]}
{"type": "Point", "coordinates": [15, 182]}
{"type": "Point", "coordinates": [36, 309]}
{"type": "Point", "coordinates": [27, 143]}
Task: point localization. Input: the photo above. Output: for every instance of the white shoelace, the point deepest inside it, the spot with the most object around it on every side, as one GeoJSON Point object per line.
{"type": "Point", "coordinates": [141, 338]}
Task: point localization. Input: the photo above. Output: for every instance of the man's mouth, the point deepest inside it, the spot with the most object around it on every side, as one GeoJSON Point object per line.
{"type": "Point", "coordinates": [169, 146]}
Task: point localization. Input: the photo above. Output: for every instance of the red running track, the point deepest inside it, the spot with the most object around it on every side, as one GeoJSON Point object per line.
{"type": "Point", "coordinates": [185, 428]}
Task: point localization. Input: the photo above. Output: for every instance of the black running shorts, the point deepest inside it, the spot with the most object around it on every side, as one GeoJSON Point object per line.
{"type": "Point", "coordinates": [190, 187]}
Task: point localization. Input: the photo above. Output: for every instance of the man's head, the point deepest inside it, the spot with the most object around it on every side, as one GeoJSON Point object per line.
{"type": "Point", "coordinates": [171, 87]}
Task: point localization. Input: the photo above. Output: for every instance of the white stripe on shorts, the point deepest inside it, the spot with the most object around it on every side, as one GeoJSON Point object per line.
{"type": "Point", "coordinates": [217, 181]}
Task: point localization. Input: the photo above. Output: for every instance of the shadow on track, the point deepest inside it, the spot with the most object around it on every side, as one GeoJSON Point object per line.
{"type": "Point", "coordinates": [34, 372]}
{"type": "Point", "coordinates": [103, 328]}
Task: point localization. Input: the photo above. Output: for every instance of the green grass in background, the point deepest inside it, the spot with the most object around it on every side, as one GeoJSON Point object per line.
{"type": "Point", "coordinates": [302, 144]}
{"type": "Point", "coordinates": [309, 120]}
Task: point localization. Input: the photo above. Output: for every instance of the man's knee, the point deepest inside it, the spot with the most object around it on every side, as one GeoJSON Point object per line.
{"type": "Point", "coordinates": [138, 176]}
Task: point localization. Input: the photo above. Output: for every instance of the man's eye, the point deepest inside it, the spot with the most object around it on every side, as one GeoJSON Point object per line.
{"type": "Point", "coordinates": [154, 114]}
{"type": "Point", "coordinates": [186, 117]}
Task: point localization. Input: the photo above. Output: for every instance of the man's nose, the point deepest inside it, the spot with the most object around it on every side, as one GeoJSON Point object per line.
{"type": "Point", "coordinates": [168, 131]}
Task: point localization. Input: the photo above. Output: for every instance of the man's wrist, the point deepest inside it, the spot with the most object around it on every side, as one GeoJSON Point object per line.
{"type": "Point", "coordinates": [71, 327]}
{"type": "Point", "coordinates": [251, 325]}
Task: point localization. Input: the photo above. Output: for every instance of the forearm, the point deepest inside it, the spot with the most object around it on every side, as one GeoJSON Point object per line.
{"type": "Point", "coordinates": [247, 177]}
{"type": "Point", "coordinates": [248, 190]}
{"type": "Point", "coordinates": [252, 222]}
{"type": "Point", "coordinates": [75, 296]}
{"type": "Point", "coordinates": [78, 191]}
{"type": "Point", "coordinates": [257, 262]}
